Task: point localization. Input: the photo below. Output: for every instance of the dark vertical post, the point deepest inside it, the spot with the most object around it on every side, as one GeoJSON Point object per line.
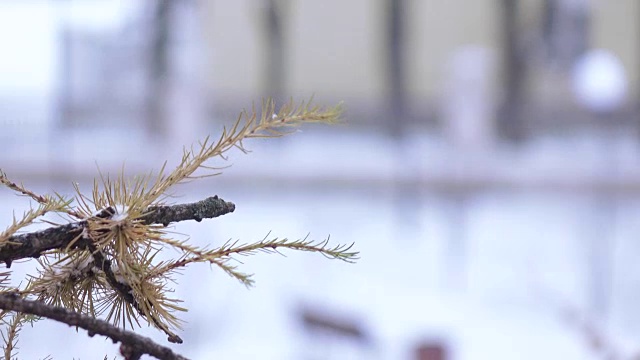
{"type": "Point", "coordinates": [510, 119]}
{"type": "Point", "coordinates": [395, 62]}
{"type": "Point", "coordinates": [63, 92]}
{"type": "Point", "coordinates": [406, 193]}
{"type": "Point", "coordinates": [64, 96]}
{"type": "Point", "coordinates": [275, 54]}
{"type": "Point", "coordinates": [158, 69]}
{"type": "Point", "coordinates": [636, 108]}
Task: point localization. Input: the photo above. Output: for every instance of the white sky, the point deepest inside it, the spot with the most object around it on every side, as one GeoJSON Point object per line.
{"type": "Point", "coordinates": [29, 38]}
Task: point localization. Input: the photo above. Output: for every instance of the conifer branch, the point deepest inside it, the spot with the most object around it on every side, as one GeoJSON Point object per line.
{"type": "Point", "coordinates": [222, 255]}
{"type": "Point", "coordinates": [105, 262]}
{"type": "Point", "coordinates": [132, 344]}
{"type": "Point", "coordinates": [268, 123]}
{"type": "Point", "coordinates": [34, 244]}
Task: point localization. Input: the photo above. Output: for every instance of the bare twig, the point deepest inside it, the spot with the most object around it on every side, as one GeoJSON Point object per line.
{"type": "Point", "coordinates": [133, 345]}
{"type": "Point", "coordinates": [34, 244]}
{"type": "Point", "coordinates": [204, 209]}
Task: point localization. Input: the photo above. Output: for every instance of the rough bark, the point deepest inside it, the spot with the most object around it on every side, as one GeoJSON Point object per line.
{"type": "Point", "coordinates": [34, 244]}
{"type": "Point", "coordinates": [132, 344]}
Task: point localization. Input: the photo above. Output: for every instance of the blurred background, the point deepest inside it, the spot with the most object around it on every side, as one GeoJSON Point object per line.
{"type": "Point", "coordinates": [488, 171]}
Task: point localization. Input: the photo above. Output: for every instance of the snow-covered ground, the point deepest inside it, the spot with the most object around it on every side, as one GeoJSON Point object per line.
{"type": "Point", "coordinates": [503, 272]}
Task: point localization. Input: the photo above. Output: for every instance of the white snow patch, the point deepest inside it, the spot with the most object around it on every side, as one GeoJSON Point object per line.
{"type": "Point", "coordinates": [122, 212]}
{"type": "Point", "coordinates": [85, 233]}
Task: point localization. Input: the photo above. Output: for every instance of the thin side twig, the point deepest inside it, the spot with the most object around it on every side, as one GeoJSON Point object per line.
{"type": "Point", "coordinates": [44, 200]}
{"type": "Point", "coordinates": [133, 345]}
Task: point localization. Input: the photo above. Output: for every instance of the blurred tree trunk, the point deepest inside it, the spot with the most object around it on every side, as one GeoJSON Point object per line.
{"type": "Point", "coordinates": [276, 52]}
{"type": "Point", "coordinates": [158, 69]}
{"type": "Point", "coordinates": [395, 62]}
{"type": "Point", "coordinates": [510, 119]}
{"type": "Point", "coordinates": [406, 194]}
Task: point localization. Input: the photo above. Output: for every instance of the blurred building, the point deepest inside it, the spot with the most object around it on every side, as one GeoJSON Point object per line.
{"type": "Point", "coordinates": [527, 51]}
{"type": "Point", "coordinates": [390, 60]}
